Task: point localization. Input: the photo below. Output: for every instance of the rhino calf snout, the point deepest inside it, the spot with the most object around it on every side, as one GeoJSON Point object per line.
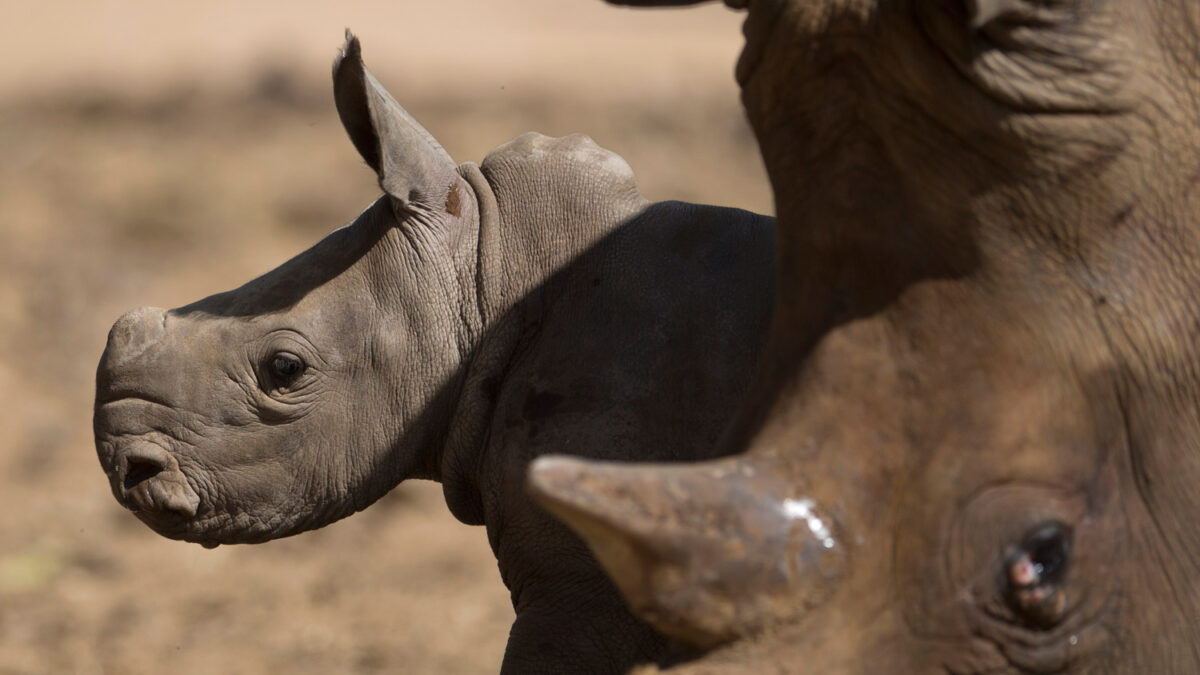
{"type": "Point", "coordinates": [146, 479]}
{"type": "Point", "coordinates": [134, 332]}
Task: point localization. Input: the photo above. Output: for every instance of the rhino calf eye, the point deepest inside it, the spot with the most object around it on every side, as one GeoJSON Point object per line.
{"type": "Point", "coordinates": [284, 368]}
{"type": "Point", "coordinates": [1034, 572]}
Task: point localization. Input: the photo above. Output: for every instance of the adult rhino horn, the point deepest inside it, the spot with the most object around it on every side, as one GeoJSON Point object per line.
{"type": "Point", "coordinates": [412, 166]}
{"type": "Point", "coordinates": [706, 553]}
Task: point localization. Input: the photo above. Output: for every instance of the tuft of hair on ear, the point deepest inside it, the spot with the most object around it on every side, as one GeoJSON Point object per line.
{"type": "Point", "coordinates": [350, 47]}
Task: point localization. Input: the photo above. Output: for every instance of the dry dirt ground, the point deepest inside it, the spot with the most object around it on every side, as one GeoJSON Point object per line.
{"type": "Point", "coordinates": [153, 154]}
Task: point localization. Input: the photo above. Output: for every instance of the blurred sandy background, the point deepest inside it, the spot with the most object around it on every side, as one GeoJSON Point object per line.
{"type": "Point", "coordinates": [154, 153]}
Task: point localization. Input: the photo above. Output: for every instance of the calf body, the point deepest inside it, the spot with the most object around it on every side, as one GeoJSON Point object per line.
{"type": "Point", "coordinates": [473, 318]}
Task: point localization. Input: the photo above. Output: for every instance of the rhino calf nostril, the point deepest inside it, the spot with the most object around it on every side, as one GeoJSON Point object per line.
{"type": "Point", "coordinates": [148, 481]}
{"type": "Point", "coordinates": [139, 470]}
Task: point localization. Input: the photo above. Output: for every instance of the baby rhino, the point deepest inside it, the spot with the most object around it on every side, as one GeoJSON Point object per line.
{"type": "Point", "coordinates": [471, 319]}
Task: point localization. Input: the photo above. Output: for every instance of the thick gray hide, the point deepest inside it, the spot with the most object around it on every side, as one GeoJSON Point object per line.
{"type": "Point", "coordinates": [470, 320]}
{"type": "Point", "coordinates": [971, 446]}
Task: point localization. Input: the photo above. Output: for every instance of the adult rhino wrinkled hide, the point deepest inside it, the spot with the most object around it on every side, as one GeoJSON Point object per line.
{"type": "Point", "coordinates": [973, 442]}
{"type": "Point", "coordinates": [471, 319]}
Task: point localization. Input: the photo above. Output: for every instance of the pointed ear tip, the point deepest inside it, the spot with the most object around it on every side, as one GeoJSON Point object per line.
{"type": "Point", "coordinates": [351, 45]}
{"type": "Point", "coordinates": [351, 49]}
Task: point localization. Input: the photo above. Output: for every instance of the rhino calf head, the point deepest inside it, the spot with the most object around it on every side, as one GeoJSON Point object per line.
{"type": "Point", "coordinates": [285, 404]}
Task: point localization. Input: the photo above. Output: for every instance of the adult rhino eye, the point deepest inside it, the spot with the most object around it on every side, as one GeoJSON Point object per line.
{"type": "Point", "coordinates": [1034, 572]}
{"type": "Point", "coordinates": [284, 368]}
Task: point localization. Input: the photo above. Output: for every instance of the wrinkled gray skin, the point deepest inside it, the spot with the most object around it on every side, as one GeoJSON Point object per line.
{"type": "Point", "coordinates": [973, 445]}
{"type": "Point", "coordinates": [470, 320]}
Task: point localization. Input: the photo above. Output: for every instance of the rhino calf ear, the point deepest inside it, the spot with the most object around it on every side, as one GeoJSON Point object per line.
{"type": "Point", "coordinates": [412, 166]}
{"type": "Point", "coordinates": [656, 3]}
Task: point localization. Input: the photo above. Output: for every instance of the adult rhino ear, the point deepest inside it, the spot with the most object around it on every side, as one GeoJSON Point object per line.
{"type": "Point", "coordinates": [412, 167]}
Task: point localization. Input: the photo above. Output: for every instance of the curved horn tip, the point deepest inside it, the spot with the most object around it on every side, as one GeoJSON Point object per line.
{"type": "Point", "coordinates": [550, 476]}
{"type": "Point", "coordinates": [580, 493]}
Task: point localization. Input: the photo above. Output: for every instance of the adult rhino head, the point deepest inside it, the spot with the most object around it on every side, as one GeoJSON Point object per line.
{"type": "Point", "coordinates": [972, 443]}
{"type": "Point", "coordinates": [471, 319]}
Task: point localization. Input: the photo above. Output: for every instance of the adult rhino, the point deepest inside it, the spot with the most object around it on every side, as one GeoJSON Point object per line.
{"type": "Point", "coordinates": [973, 443]}
{"type": "Point", "coordinates": [471, 319]}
